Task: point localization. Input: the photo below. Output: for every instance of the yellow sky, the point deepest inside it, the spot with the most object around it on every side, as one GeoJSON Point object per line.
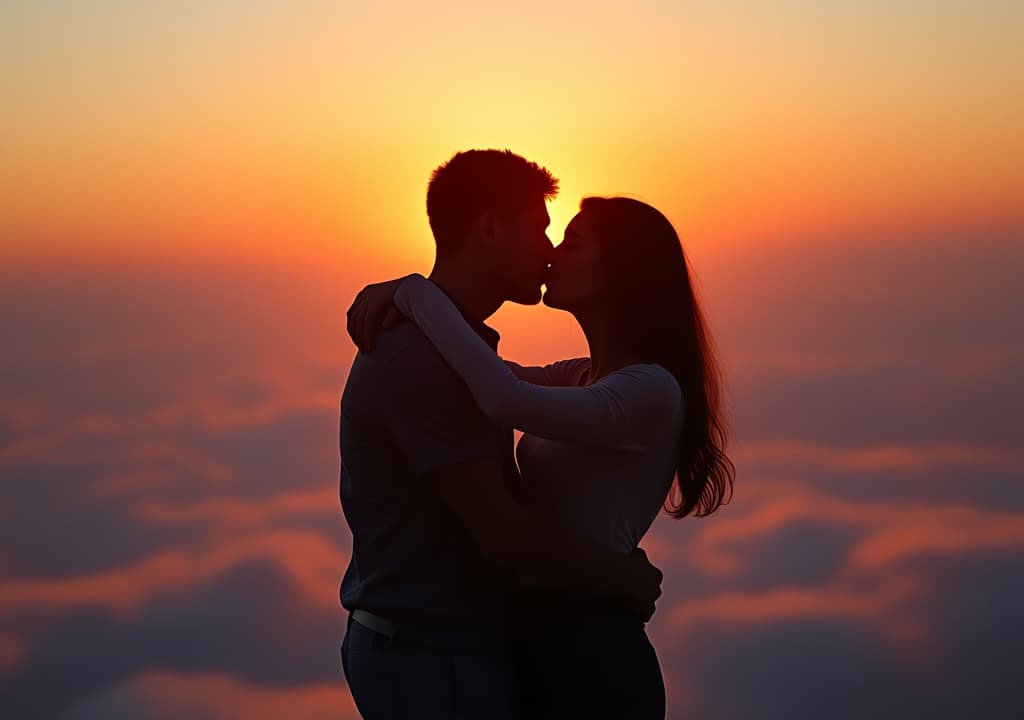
{"type": "Point", "coordinates": [311, 127]}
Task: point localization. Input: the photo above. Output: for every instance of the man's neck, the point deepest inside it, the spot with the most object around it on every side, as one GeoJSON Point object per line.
{"type": "Point", "coordinates": [468, 288]}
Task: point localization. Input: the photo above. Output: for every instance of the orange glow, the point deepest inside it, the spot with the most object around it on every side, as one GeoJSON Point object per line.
{"type": "Point", "coordinates": [891, 533]}
{"type": "Point", "coordinates": [191, 194]}
{"type": "Point", "coordinates": [313, 562]}
{"type": "Point", "coordinates": [234, 512]}
{"type": "Point", "coordinates": [793, 603]}
{"type": "Point", "coordinates": [885, 608]}
{"type": "Point", "coordinates": [726, 125]}
{"type": "Point", "coordinates": [163, 694]}
{"type": "Point", "coordinates": [889, 458]}
{"type": "Point", "coordinates": [945, 531]}
{"type": "Point", "coordinates": [12, 650]}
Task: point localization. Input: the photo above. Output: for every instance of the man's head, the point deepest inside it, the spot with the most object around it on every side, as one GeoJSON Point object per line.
{"type": "Point", "coordinates": [487, 208]}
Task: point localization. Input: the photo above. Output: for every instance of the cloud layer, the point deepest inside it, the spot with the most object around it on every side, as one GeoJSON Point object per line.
{"type": "Point", "coordinates": [172, 541]}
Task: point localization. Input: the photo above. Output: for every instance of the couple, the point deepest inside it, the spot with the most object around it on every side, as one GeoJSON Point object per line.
{"type": "Point", "coordinates": [476, 588]}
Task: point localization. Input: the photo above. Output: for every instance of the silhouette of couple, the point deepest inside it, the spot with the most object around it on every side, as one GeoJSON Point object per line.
{"type": "Point", "coordinates": [482, 589]}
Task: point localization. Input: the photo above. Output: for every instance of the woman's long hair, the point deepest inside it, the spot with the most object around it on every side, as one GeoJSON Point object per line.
{"type": "Point", "coordinates": [656, 314]}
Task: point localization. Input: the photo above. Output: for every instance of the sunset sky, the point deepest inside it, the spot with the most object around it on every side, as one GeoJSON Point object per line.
{"type": "Point", "coordinates": [192, 192]}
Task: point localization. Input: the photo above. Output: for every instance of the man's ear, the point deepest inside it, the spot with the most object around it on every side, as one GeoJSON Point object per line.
{"type": "Point", "coordinates": [487, 226]}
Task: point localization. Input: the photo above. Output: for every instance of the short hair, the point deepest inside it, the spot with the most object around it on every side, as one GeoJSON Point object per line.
{"type": "Point", "coordinates": [477, 181]}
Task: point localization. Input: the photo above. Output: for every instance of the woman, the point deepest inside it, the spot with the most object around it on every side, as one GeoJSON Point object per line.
{"type": "Point", "coordinates": [608, 440]}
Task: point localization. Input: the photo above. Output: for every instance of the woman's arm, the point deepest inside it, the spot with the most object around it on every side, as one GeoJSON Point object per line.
{"type": "Point", "coordinates": [621, 410]}
{"type": "Point", "coordinates": [556, 374]}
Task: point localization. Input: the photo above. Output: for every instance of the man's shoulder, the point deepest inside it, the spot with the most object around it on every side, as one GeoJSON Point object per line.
{"type": "Point", "coordinates": [401, 338]}
{"type": "Point", "coordinates": [405, 376]}
{"type": "Point", "coordinates": [403, 355]}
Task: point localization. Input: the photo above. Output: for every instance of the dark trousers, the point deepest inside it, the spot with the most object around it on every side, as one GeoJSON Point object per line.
{"type": "Point", "coordinates": [398, 678]}
{"type": "Point", "coordinates": [598, 667]}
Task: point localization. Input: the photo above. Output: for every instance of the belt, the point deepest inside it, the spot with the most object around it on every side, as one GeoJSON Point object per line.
{"type": "Point", "coordinates": [431, 637]}
{"type": "Point", "coordinates": [381, 626]}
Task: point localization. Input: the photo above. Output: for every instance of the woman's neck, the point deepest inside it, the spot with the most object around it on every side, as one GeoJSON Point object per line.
{"type": "Point", "coordinates": [607, 353]}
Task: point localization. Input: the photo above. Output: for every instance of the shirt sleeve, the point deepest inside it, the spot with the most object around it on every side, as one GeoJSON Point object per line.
{"type": "Point", "coordinates": [432, 416]}
{"type": "Point", "coordinates": [556, 374]}
{"type": "Point", "coordinates": [628, 408]}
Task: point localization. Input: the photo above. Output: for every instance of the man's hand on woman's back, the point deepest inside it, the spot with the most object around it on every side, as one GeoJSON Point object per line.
{"type": "Point", "coordinates": [646, 589]}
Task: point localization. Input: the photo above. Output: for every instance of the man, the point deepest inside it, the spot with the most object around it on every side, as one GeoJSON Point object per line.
{"type": "Point", "coordinates": [428, 483]}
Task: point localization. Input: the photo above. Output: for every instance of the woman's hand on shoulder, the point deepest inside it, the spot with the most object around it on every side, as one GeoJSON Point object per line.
{"type": "Point", "coordinates": [372, 311]}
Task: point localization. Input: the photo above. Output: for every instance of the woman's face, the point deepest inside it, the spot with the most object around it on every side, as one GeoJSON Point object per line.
{"type": "Point", "coordinates": [574, 281]}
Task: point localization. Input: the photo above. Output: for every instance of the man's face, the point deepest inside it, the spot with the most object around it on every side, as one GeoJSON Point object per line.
{"type": "Point", "coordinates": [521, 253]}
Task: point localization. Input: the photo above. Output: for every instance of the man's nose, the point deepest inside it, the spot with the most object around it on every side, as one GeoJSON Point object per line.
{"type": "Point", "coordinates": [548, 250]}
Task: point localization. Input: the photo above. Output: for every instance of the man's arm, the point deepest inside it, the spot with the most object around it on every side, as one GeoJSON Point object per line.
{"type": "Point", "coordinates": [515, 538]}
